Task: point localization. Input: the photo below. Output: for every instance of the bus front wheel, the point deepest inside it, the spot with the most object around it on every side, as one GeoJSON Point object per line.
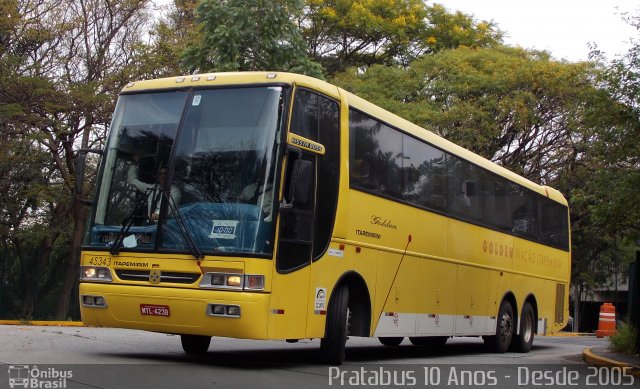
{"type": "Point", "coordinates": [195, 344]}
{"type": "Point", "coordinates": [332, 346]}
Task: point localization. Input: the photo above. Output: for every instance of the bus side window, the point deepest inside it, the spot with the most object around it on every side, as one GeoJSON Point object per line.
{"type": "Point", "coordinates": [360, 173]}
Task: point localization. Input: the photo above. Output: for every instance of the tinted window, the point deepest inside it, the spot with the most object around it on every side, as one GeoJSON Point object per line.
{"type": "Point", "coordinates": [386, 161]}
{"type": "Point", "coordinates": [554, 224]}
{"type": "Point", "coordinates": [305, 119]}
{"type": "Point", "coordinates": [497, 203]}
{"type": "Point", "coordinates": [424, 174]}
{"type": "Point", "coordinates": [464, 181]}
{"type": "Point", "coordinates": [328, 173]}
{"type": "Point", "coordinates": [524, 212]}
{"type": "Point", "coordinates": [376, 156]}
{"type": "Point", "coordinates": [317, 117]}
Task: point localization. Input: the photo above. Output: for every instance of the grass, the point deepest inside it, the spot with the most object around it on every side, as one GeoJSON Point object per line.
{"type": "Point", "coordinates": [625, 339]}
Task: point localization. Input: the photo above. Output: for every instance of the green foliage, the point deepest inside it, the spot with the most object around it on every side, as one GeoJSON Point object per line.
{"type": "Point", "coordinates": [249, 35]}
{"type": "Point", "coordinates": [615, 205]}
{"type": "Point", "coordinates": [447, 30]}
{"type": "Point", "coordinates": [625, 339]}
{"type": "Point", "coordinates": [170, 37]}
{"type": "Point", "coordinates": [513, 106]}
{"type": "Point", "coordinates": [361, 33]}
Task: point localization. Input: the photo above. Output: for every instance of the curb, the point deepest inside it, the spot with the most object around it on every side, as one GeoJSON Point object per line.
{"type": "Point", "coordinates": [570, 334]}
{"type": "Point", "coordinates": [597, 360]}
{"type": "Point", "coordinates": [41, 323]}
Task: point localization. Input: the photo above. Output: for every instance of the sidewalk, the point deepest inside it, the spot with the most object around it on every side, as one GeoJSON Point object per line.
{"type": "Point", "coordinates": [41, 323]}
{"type": "Point", "coordinates": [602, 356]}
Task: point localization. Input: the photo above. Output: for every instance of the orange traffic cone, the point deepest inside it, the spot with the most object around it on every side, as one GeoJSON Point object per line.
{"type": "Point", "coordinates": [607, 321]}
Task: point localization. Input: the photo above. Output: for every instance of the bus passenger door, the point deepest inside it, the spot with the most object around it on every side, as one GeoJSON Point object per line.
{"type": "Point", "coordinates": [310, 194]}
{"type": "Point", "coordinates": [290, 287]}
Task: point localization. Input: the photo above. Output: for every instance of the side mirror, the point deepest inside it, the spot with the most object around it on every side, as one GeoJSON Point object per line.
{"type": "Point", "coordinates": [80, 163]}
{"type": "Point", "coordinates": [300, 188]}
{"type": "Point", "coordinates": [300, 183]}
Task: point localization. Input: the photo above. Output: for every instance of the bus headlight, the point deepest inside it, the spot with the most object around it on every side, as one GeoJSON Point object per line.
{"type": "Point", "coordinates": [95, 273]}
{"type": "Point", "coordinates": [218, 279]}
{"type": "Point", "coordinates": [233, 281]}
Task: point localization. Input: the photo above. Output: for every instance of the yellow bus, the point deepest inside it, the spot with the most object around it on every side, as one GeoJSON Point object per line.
{"type": "Point", "coordinates": [277, 206]}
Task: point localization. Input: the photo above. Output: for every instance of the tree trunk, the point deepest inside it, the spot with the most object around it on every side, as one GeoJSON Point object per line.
{"type": "Point", "coordinates": [576, 309]}
{"type": "Point", "coordinates": [72, 263]}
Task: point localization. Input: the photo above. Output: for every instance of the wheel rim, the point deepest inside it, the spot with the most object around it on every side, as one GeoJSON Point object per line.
{"type": "Point", "coordinates": [506, 328]}
{"type": "Point", "coordinates": [347, 325]}
{"type": "Point", "coordinates": [527, 328]}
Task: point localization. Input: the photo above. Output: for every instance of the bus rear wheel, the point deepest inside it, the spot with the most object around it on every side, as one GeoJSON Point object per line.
{"type": "Point", "coordinates": [430, 341]}
{"type": "Point", "coordinates": [523, 342]}
{"type": "Point", "coordinates": [332, 346]}
{"type": "Point", "coordinates": [391, 341]}
{"type": "Point", "coordinates": [195, 344]}
{"type": "Point", "coordinates": [504, 330]}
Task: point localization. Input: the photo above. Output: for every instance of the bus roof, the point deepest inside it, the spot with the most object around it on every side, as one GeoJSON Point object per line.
{"type": "Point", "coordinates": [257, 78]}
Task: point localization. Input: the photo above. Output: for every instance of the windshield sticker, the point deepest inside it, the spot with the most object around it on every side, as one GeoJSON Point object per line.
{"type": "Point", "coordinates": [130, 241]}
{"type": "Point", "coordinates": [224, 229]}
{"type": "Point", "coordinates": [196, 100]}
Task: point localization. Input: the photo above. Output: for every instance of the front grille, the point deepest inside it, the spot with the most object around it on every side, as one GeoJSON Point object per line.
{"type": "Point", "coordinates": [169, 276]}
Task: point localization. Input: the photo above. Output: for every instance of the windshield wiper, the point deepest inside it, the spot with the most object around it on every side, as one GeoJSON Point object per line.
{"type": "Point", "coordinates": [193, 247]}
{"type": "Point", "coordinates": [140, 203]}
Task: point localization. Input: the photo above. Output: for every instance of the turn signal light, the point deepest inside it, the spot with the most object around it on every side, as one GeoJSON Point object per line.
{"type": "Point", "coordinates": [234, 281]}
{"type": "Point", "coordinates": [254, 282]}
{"type": "Point", "coordinates": [95, 273]}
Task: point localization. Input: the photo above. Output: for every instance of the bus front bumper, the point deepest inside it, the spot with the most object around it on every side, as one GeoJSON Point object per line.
{"type": "Point", "coordinates": [176, 311]}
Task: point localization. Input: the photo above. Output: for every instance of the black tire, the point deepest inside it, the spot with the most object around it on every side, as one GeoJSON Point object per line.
{"type": "Point", "coordinates": [195, 344]}
{"type": "Point", "coordinates": [332, 346]}
{"type": "Point", "coordinates": [522, 343]}
{"type": "Point", "coordinates": [391, 341]}
{"type": "Point", "coordinates": [429, 341]}
{"type": "Point", "coordinates": [504, 330]}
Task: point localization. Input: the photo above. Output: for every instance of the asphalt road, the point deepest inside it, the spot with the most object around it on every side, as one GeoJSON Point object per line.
{"type": "Point", "coordinates": [78, 357]}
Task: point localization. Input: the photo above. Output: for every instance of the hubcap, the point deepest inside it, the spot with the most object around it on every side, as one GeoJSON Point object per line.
{"type": "Point", "coordinates": [506, 325]}
{"type": "Point", "coordinates": [527, 328]}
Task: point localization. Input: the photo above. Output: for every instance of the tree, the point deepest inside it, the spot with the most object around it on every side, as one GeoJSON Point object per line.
{"type": "Point", "coordinates": [172, 34]}
{"type": "Point", "coordinates": [516, 107]}
{"type": "Point", "coordinates": [61, 66]}
{"type": "Point", "coordinates": [619, 148]}
{"type": "Point", "coordinates": [362, 33]}
{"type": "Point", "coordinates": [249, 35]}
{"type": "Point", "coordinates": [607, 204]}
{"type": "Point", "coordinates": [450, 30]}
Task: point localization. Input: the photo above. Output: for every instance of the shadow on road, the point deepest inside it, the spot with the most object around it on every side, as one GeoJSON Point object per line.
{"type": "Point", "coordinates": [310, 355]}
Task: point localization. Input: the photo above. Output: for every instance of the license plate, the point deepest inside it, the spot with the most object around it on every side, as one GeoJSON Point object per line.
{"type": "Point", "coordinates": [154, 310]}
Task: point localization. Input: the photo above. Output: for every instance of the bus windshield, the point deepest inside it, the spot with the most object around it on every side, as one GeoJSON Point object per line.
{"type": "Point", "coordinates": [190, 167]}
